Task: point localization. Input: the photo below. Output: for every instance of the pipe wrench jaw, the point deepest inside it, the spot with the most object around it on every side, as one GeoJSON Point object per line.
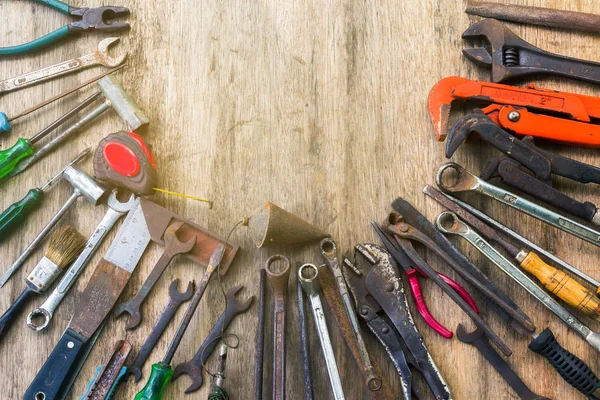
{"type": "Point", "coordinates": [462, 129]}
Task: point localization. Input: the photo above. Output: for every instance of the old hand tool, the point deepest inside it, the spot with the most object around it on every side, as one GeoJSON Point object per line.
{"type": "Point", "coordinates": [557, 282]}
{"type": "Point", "coordinates": [65, 244]}
{"type": "Point", "coordinates": [260, 339]}
{"type": "Point", "coordinates": [528, 111]}
{"type": "Point", "coordinates": [173, 247]}
{"type": "Point", "coordinates": [304, 342]}
{"type": "Point", "coordinates": [176, 298]}
{"type": "Point", "coordinates": [308, 276]}
{"type": "Point", "coordinates": [87, 19]}
{"type": "Point", "coordinates": [278, 280]}
{"type": "Point", "coordinates": [217, 392]}
{"type": "Point", "coordinates": [104, 288]}
{"type": "Point", "coordinates": [83, 185]}
{"type": "Point", "coordinates": [115, 97]}
{"type": "Point", "coordinates": [194, 367]}
{"type": "Point", "coordinates": [98, 57]}
{"type": "Point", "coordinates": [329, 251]}
{"type": "Point", "coordinates": [407, 257]}
{"type": "Point", "coordinates": [467, 182]}
{"type": "Point", "coordinates": [549, 17]}
{"type": "Point", "coordinates": [380, 300]}
{"type": "Point", "coordinates": [102, 385]}
{"type": "Point", "coordinates": [16, 213]}
{"type": "Point", "coordinates": [571, 368]}
{"type": "Point", "coordinates": [39, 318]}
{"type": "Point", "coordinates": [396, 225]}
{"type": "Point", "coordinates": [511, 57]}
{"type": "Point", "coordinates": [5, 121]}
{"type": "Point", "coordinates": [413, 217]}
{"type": "Point", "coordinates": [432, 192]}
{"type": "Point", "coordinates": [162, 372]}
{"type": "Point", "coordinates": [449, 223]}
{"type": "Point", "coordinates": [477, 338]}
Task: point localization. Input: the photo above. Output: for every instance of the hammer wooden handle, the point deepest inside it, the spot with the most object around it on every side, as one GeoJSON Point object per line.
{"type": "Point", "coordinates": [563, 286]}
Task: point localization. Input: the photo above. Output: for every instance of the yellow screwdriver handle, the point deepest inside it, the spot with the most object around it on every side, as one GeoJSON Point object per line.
{"type": "Point", "coordinates": [562, 285]}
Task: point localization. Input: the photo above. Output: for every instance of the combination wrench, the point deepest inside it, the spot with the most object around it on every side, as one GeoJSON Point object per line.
{"type": "Point", "coordinates": [279, 284]}
{"type": "Point", "coordinates": [173, 247]}
{"type": "Point", "coordinates": [40, 318]}
{"type": "Point", "coordinates": [99, 57]}
{"type": "Point", "coordinates": [308, 276]}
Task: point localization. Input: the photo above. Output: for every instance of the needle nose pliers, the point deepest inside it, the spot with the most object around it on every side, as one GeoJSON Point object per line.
{"type": "Point", "coordinates": [88, 19]}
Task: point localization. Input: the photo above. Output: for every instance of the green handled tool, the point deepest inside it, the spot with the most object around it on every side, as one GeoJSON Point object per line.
{"type": "Point", "coordinates": [17, 212]}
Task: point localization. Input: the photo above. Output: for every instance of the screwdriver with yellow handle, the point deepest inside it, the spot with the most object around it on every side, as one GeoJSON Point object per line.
{"type": "Point", "coordinates": [15, 214]}
{"type": "Point", "coordinates": [555, 281]}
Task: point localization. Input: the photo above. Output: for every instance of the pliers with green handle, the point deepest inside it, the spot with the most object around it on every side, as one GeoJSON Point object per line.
{"type": "Point", "coordinates": [88, 19]}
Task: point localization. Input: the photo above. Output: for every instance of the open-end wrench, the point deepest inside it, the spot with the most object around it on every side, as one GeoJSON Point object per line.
{"type": "Point", "coordinates": [308, 276]}
{"type": "Point", "coordinates": [304, 342]}
{"type": "Point", "coordinates": [98, 57]}
{"type": "Point", "coordinates": [279, 284]}
{"type": "Point", "coordinates": [512, 57]}
{"type": "Point", "coordinates": [39, 318]}
{"type": "Point", "coordinates": [478, 339]}
{"type": "Point", "coordinates": [176, 298]}
{"type": "Point", "coordinates": [173, 247]}
{"type": "Point", "coordinates": [194, 367]}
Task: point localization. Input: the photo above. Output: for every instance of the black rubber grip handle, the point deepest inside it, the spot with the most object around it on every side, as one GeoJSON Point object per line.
{"type": "Point", "coordinates": [8, 318]}
{"type": "Point", "coordinates": [570, 367]}
{"type": "Point", "coordinates": [54, 373]}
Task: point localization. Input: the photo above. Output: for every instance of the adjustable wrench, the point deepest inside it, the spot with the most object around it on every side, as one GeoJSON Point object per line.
{"type": "Point", "coordinates": [308, 276]}
{"type": "Point", "coordinates": [176, 298]}
{"type": "Point", "coordinates": [116, 210]}
{"type": "Point", "coordinates": [194, 367]}
{"type": "Point", "coordinates": [173, 247]}
{"type": "Point", "coordinates": [98, 57]}
{"type": "Point", "coordinates": [279, 284]}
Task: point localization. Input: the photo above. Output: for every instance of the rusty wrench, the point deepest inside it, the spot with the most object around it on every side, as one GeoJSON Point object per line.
{"type": "Point", "coordinates": [194, 367]}
{"type": "Point", "coordinates": [173, 247]}
{"type": "Point", "coordinates": [99, 57]}
{"type": "Point", "coordinates": [176, 298]}
{"type": "Point", "coordinates": [279, 284]}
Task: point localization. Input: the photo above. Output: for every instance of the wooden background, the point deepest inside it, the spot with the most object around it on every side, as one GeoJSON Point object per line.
{"type": "Point", "coordinates": [318, 106]}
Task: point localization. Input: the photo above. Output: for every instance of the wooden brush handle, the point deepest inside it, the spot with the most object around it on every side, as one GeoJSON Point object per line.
{"type": "Point", "coordinates": [563, 286]}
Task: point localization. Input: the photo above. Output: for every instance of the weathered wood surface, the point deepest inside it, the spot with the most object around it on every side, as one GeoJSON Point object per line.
{"type": "Point", "coordinates": [316, 106]}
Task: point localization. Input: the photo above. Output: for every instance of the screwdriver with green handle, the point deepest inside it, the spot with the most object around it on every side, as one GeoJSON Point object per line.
{"type": "Point", "coordinates": [15, 214]}
{"type": "Point", "coordinates": [162, 372]}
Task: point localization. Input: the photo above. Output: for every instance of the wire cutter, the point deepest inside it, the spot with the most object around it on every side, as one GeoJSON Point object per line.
{"type": "Point", "coordinates": [88, 19]}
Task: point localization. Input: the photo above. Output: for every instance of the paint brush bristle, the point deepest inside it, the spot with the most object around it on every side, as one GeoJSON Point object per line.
{"type": "Point", "coordinates": [65, 245]}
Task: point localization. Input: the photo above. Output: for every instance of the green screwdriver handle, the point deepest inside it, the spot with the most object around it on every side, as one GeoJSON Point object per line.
{"type": "Point", "coordinates": [10, 157]}
{"type": "Point", "coordinates": [159, 377]}
{"type": "Point", "coordinates": [17, 212]}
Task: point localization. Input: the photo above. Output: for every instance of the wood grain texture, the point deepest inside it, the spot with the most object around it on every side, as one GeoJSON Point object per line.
{"type": "Point", "coordinates": [318, 106]}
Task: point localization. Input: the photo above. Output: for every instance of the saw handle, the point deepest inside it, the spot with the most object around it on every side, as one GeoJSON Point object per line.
{"type": "Point", "coordinates": [56, 370]}
{"type": "Point", "coordinates": [7, 319]}
{"type": "Point", "coordinates": [562, 285]}
{"type": "Point", "coordinates": [159, 377]}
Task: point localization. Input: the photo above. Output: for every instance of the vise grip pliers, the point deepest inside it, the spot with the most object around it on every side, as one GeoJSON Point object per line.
{"type": "Point", "coordinates": [87, 19]}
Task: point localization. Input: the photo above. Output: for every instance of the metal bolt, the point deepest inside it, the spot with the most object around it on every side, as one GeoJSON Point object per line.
{"type": "Point", "coordinates": [386, 330]}
{"type": "Point", "coordinates": [70, 345]}
{"type": "Point", "coordinates": [389, 287]}
{"type": "Point", "coordinates": [364, 311]}
{"type": "Point", "coordinates": [514, 116]}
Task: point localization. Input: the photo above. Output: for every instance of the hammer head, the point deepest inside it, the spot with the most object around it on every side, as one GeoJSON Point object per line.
{"type": "Point", "coordinates": [85, 184]}
{"type": "Point", "coordinates": [461, 130]}
{"type": "Point", "coordinates": [124, 105]}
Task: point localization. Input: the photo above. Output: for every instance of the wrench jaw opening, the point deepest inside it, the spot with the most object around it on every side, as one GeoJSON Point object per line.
{"type": "Point", "coordinates": [496, 35]}
{"type": "Point", "coordinates": [191, 370]}
{"type": "Point", "coordinates": [452, 178]}
{"type": "Point", "coordinates": [103, 55]}
{"type": "Point", "coordinates": [439, 104]}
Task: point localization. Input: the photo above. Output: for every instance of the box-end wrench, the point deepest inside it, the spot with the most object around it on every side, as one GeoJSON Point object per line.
{"type": "Point", "coordinates": [304, 342]}
{"type": "Point", "coordinates": [279, 284]}
{"type": "Point", "coordinates": [194, 367]}
{"type": "Point", "coordinates": [98, 57]}
{"type": "Point", "coordinates": [308, 276]}
{"type": "Point", "coordinates": [172, 248]}
{"type": "Point", "coordinates": [260, 338]}
{"type": "Point", "coordinates": [39, 318]}
{"type": "Point", "coordinates": [464, 181]}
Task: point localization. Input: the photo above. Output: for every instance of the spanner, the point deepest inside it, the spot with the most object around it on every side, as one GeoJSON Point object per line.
{"type": "Point", "coordinates": [176, 298]}
{"type": "Point", "coordinates": [308, 276]}
{"type": "Point", "coordinates": [98, 57]}
{"type": "Point", "coordinates": [512, 57]}
{"type": "Point", "coordinates": [279, 284]}
{"type": "Point", "coordinates": [478, 339]}
{"type": "Point", "coordinates": [194, 367]}
{"type": "Point", "coordinates": [173, 247]}
{"type": "Point", "coordinates": [39, 318]}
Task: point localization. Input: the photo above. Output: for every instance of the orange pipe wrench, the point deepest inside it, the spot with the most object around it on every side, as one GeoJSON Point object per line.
{"type": "Point", "coordinates": [548, 114]}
